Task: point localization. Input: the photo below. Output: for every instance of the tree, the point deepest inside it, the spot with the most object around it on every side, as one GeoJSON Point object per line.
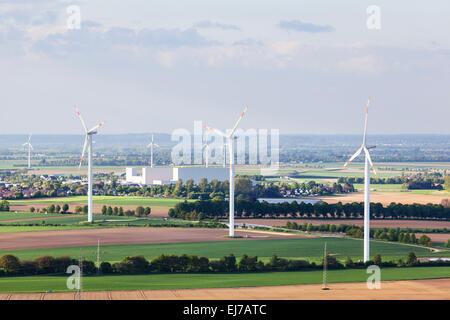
{"type": "Point", "coordinates": [411, 259]}
{"type": "Point", "coordinates": [243, 186]}
{"type": "Point", "coordinates": [104, 210]}
{"type": "Point", "coordinates": [65, 207]}
{"type": "Point", "coordinates": [85, 209]}
{"type": "Point", "coordinates": [147, 211]}
{"type": "Point", "coordinates": [139, 212]}
{"type": "Point", "coordinates": [447, 183]}
{"type": "Point", "coordinates": [109, 211]}
{"type": "Point", "coordinates": [57, 208]}
{"type": "Point", "coordinates": [10, 264]}
{"type": "Point", "coordinates": [377, 260]}
{"type": "Point", "coordinates": [32, 209]}
{"type": "Point", "coordinates": [447, 244]}
{"type": "Point", "coordinates": [349, 262]}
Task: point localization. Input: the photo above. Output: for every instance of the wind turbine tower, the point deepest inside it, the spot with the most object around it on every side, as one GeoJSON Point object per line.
{"type": "Point", "coordinates": [368, 161]}
{"type": "Point", "coordinates": [230, 137]}
{"type": "Point", "coordinates": [151, 145]}
{"type": "Point", "coordinates": [88, 145]}
{"type": "Point", "coordinates": [30, 147]}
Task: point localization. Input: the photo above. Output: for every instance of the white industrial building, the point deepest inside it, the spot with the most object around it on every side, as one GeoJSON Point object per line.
{"type": "Point", "coordinates": [169, 175]}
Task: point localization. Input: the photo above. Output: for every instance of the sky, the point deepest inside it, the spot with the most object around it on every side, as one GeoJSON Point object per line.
{"type": "Point", "coordinates": [156, 66]}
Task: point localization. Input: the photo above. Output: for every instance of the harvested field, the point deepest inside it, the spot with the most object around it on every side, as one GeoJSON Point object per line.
{"type": "Point", "coordinates": [387, 197]}
{"type": "Point", "coordinates": [87, 237]}
{"type": "Point", "coordinates": [374, 223]}
{"type": "Point", "coordinates": [436, 289]}
{"type": "Point", "coordinates": [436, 237]}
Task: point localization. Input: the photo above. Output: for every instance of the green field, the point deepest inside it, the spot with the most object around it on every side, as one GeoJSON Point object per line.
{"type": "Point", "coordinates": [74, 222]}
{"type": "Point", "coordinates": [308, 248]}
{"type": "Point", "coordinates": [212, 280]}
{"type": "Point", "coordinates": [4, 215]}
{"type": "Point", "coordinates": [106, 200]}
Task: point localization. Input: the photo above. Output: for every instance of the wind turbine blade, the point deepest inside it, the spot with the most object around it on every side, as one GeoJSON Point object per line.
{"type": "Point", "coordinates": [156, 145]}
{"type": "Point", "coordinates": [81, 118]}
{"type": "Point", "coordinates": [25, 144]}
{"type": "Point", "coordinates": [31, 146]}
{"type": "Point", "coordinates": [365, 121]}
{"type": "Point", "coordinates": [149, 145]}
{"type": "Point", "coordinates": [215, 131]}
{"type": "Point", "coordinates": [84, 150]}
{"type": "Point", "coordinates": [29, 137]}
{"type": "Point", "coordinates": [239, 120]}
{"type": "Point", "coordinates": [97, 126]}
{"type": "Point", "coordinates": [370, 161]}
{"type": "Point", "coordinates": [353, 156]}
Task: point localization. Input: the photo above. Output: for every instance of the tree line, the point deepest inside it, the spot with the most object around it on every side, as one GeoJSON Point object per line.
{"type": "Point", "coordinates": [10, 265]}
{"type": "Point", "coordinates": [209, 209]}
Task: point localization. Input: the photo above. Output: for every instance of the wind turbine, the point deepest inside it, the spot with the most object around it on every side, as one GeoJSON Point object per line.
{"type": "Point", "coordinates": [229, 137]}
{"type": "Point", "coordinates": [30, 147]}
{"type": "Point", "coordinates": [88, 144]}
{"type": "Point", "coordinates": [151, 145]}
{"type": "Point", "coordinates": [206, 148]}
{"type": "Point", "coordinates": [368, 162]}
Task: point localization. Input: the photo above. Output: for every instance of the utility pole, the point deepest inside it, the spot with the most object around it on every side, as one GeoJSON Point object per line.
{"type": "Point", "coordinates": [98, 257]}
{"type": "Point", "coordinates": [325, 276]}
{"type": "Point", "coordinates": [80, 264]}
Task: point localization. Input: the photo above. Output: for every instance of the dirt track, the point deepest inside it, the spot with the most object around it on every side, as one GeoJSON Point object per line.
{"type": "Point", "coordinates": [86, 237]}
{"type": "Point", "coordinates": [390, 290]}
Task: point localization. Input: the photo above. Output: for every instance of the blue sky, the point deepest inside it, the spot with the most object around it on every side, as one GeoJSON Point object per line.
{"type": "Point", "coordinates": [301, 66]}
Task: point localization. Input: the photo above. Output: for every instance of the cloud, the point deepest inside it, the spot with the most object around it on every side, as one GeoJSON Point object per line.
{"type": "Point", "coordinates": [90, 39]}
{"type": "Point", "coordinates": [248, 42]}
{"type": "Point", "coordinates": [299, 26]}
{"type": "Point", "coordinates": [207, 24]}
{"type": "Point", "coordinates": [172, 38]}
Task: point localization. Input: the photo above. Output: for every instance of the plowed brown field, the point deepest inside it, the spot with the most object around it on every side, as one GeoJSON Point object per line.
{"type": "Point", "coordinates": [86, 237]}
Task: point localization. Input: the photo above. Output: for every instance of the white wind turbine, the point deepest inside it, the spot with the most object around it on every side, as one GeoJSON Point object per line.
{"type": "Point", "coordinates": [368, 162]}
{"type": "Point", "coordinates": [151, 145]}
{"type": "Point", "coordinates": [206, 148]}
{"type": "Point", "coordinates": [88, 144]}
{"type": "Point", "coordinates": [229, 137]}
{"type": "Point", "coordinates": [30, 147]}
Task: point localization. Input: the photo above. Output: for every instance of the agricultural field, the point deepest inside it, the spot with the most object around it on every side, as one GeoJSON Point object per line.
{"type": "Point", "coordinates": [216, 280]}
{"type": "Point", "coordinates": [306, 248]}
{"type": "Point", "coordinates": [104, 200]}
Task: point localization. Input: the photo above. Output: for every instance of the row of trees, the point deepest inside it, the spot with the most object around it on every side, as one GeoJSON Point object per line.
{"type": "Point", "coordinates": [427, 179]}
{"type": "Point", "coordinates": [118, 211]}
{"type": "Point", "coordinates": [138, 264]}
{"type": "Point", "coordinates": [255, 209]}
